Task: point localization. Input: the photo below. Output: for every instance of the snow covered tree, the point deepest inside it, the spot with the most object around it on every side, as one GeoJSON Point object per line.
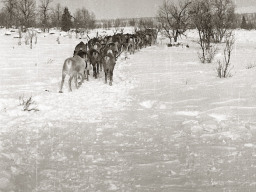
{"type": "Point", "coordinates": [66, 22]}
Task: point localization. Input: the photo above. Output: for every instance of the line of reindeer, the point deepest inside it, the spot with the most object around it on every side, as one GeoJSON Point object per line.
{"type": "Point", "coordinates": [102, 53]}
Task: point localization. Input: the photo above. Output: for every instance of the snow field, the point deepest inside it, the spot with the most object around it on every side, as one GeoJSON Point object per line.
{"type": "Point", "coordinates": [167, 123]}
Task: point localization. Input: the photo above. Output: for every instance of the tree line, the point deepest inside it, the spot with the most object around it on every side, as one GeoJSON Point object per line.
{"type": "Point", "coordinates": [45, 15]}
{"type": "Point", "coordinates": [173, 19]}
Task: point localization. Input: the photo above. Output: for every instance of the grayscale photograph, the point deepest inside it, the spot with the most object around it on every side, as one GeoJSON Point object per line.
{"type": "Point", "coordinates": [128, 96]}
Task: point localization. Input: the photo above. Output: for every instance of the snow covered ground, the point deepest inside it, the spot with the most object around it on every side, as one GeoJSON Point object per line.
{"type": "Point", "coordinates": [167, 123]}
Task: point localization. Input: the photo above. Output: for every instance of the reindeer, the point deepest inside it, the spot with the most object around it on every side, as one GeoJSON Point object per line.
{"type": "Point", "coordinates": [128, 44]}
{"type": "Point", "coordinates": [94, 57]}
{"type": "Point", "coordinates": [97, 53]}
{"type": "Point", "coordinates": [92, 42]}
{"type": "Point", "coordinates": [109, 61]}
{"type": "Point", "coordinates": [117, 39]}
{"type": "Point", "coordinates": [112, 46]}
{"type": "Point", "coordinates": [74, 67]}
{"type": "Point", "coordinates": [80, 47]}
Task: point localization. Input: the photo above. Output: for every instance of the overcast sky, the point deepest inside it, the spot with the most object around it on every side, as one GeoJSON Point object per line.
{"type": "Point", "coordinates": [111, 9]}
{"type": "Point", "coordinates": [106, 9]}
{"type": "Point", "coordinates": [245, 3]}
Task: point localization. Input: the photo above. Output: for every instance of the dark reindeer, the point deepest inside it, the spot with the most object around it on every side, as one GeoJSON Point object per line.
{"type": "Point", "coordinates": [94, 57]}
{"type": "Point", "coordinates": [109, 62]}
{"type": "Point", "coordinates": [80, 47]}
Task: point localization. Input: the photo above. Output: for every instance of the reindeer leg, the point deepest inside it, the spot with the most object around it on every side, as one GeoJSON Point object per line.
{"type": "Point", "coordinates": [75, 78]}
{"type": "Point", "coordinates": [88, 72]}
{"type": "Point", "coordinates": [106, 76]}
{"type": "Point", "coordinates": [85, 74]}
{"type": "Point", "coordinates": [62, 82]}
{"type": "Point", "coordinates": [111, 77]}
{"type": "Point", "coordinates": [126, 53]}
{"type": "Point", "coordinates": [69, 82]}
{"type": "Point", "coordinates": [98, 66]}
{"type": "Point", "coordinates": [94, 71]}
{"type": "Point", "coordinates": [83, 77]}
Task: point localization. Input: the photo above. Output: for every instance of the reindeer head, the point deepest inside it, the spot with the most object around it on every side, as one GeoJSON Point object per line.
{"type": "Point", "coordinates": [95, 54]}
{"type": "Point", "coordinates": [113, 47]}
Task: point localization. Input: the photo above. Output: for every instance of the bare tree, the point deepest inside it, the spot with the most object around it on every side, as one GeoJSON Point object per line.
{"type": "Point", "coordinates": [165, 19]}
{"type": "Point", "coordinates": [78, 22]}
{"type": "Point", "coordinates": [26, 9]}
{"type": "Point", "coordinates": [224, 67]}
{"type": "Point", "coordinates": [10, 8]}
{"type": "Point", "coordinates": [146, 23]}
{"type": "Point", "coordinates": [105, 24]}
{"type": "Point", "coordinates": [3, 18]}
{"type": "Point", "coordinates": [88, 18]}
{"type": "Point", "coordinates": [117, 23]}
{"type": "Point", "coordinates": [56, 15]}
{"type": "Point", "coordinates": [201, 14]}
{"type": "Point", "coordinates": [223, 18]}
{"type": "Point", "coordinates": [84, 19]}
{"type": "Point", "coordinates": [174, 18]}
{"type": "Point", "coordinates": [132, 22]}
{"type": "Point", "coordinates": [44, 9]}
{"type": "Point", "coordinates": [109, 23]}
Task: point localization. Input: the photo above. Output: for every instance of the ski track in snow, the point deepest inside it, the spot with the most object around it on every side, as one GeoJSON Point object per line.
{"type": "Point", "coordinates": [167, 123]}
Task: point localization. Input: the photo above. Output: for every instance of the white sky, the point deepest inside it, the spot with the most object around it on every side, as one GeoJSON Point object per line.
{"type": "Point", "coordinates": [129, 8]}
{"type": "Point", "coordinates": [108, 9]}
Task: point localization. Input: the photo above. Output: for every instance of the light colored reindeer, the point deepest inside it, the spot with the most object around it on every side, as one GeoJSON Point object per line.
{"type": "Point", "coordinates": [74, 67]}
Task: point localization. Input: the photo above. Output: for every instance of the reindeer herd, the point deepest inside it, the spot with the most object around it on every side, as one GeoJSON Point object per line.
{"type": "Point", "coordinates": [102, 53]}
